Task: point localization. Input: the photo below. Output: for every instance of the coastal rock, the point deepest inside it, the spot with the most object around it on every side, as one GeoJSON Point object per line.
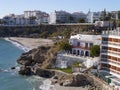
{"type": "Point", "coordinates": [12, 68]}
{"type": "Point", "coordinates": [44, 73]}
{"type": "Point", "coordinates": [75, 80]}
{"type": "Point", "coordinates": [25, 71]}
{"type": "Point", "coordinates": [38, 60]}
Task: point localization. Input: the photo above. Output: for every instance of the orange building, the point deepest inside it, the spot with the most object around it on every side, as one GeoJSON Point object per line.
{"type": "Point", "coordinates": [110, 53]}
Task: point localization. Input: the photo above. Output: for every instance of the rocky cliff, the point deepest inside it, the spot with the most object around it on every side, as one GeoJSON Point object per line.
{"type": "Point", "coordinates": [43, 31]}
{"type": "Point", "coordinates": [38, 61]}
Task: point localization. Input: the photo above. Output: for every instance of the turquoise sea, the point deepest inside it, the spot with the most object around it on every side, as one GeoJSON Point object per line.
{"type": "Point", "coordinates": [10, 79]}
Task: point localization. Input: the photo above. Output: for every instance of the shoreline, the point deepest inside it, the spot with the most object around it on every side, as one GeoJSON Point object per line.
{"type": "Point", "coordinates": [18, 44]}
{"type": "Point", "coordinates": [47, 83]}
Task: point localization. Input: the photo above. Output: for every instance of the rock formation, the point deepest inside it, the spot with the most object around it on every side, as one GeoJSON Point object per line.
{"type": "Point", "coordinates": [37, 61]}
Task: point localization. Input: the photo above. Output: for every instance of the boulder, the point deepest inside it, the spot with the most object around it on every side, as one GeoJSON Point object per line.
{"type": "Point", "coordinates": [44, 73]}
{"type": "Point", "coordinates": [12, 68]}
{"type": "Point", "coordinates": [25, 71]}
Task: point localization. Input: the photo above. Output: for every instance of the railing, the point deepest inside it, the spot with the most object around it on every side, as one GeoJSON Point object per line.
{"type": "Point", "coordinates": [110, 70]}
{"type": "Point", "coordinates": [110, 60]}
{"type": "Point", "coordinates": [110, 51]}
{"type": "Point", "coordinates": [113, 52]}
{"type": "Point", "coordinates": [87, 48]}
{"type": "Point", "coordinates": [113, 43]}
{"type": "Point", "coordinates": [114, 32]}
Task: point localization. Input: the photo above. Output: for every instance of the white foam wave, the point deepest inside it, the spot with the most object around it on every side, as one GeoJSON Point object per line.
{"type": "Point", "coordinates": [47, 85]}
{"type": "Point", "coordinates": [26, 49]}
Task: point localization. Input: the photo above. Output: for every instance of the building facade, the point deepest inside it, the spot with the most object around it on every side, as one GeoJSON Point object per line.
{"type": "Point", "coordinates": [59, 17]}
{"type": "Point", "coordinates": [13, 19]}
{"type": "Point", "coordinates": [81, 44]}
{"type": "Point", "coordinates": [37, 17]}
{"type": "Point", "coordinates": [93, 16]}
{"type": "Point", "coordinates": [110, 53]}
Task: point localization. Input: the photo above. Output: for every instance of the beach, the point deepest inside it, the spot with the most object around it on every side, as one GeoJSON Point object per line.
{"type": "Point", "coordinates": [32, 43]}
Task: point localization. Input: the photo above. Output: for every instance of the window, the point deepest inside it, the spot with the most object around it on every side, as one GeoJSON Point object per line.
{"type": "Point", "coordinates": [78, 43]}
{"type": "Point", "coordinates": [91, 44]}
{"type": "Point", "coordinates": [105, 39]}
{"type": "Point", "coordinates": [86, 45]}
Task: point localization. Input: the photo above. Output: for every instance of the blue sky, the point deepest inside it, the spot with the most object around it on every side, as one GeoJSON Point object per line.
{"type": "Point", "coordinates": [18, 6]}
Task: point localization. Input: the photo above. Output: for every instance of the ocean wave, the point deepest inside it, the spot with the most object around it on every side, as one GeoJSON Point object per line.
{"type": "Point", "coordinates": [4, 70]}
{"type": "Point", "coordinates": [26, 49]}
{"type": "Point", "coordinates": [47, 85]}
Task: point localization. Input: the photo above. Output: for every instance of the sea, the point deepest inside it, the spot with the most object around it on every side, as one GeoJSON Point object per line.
{"type": "Point", "coordinates": [10, 79]}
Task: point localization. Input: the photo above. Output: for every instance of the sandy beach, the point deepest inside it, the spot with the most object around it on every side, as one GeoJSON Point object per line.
{"type": "Point", "coordinates": [32, 42]}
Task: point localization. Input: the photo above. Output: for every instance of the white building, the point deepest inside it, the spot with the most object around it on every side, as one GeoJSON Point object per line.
{"type": "Point", "coordinates": [39, 16]}
{"type": "Point", "coordinates": [104, 23]}
{"type": "Point", "coordinates": [93, 16]}
{"type": "Point", "coordinates": [13, 19]}
{"type": "Point", "coordinates": [81, 44]}
{"type": "Point", "coordinates": [59, 17]}
{"type": "Point", "coordinates": [28, 14]}
{"type": "Point", "coordinates": [42, 19]}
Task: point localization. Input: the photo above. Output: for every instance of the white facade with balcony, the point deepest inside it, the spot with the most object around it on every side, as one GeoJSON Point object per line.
{"type": "Point", "coordinates": [81, 44]}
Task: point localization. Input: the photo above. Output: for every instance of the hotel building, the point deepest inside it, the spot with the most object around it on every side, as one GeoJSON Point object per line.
{"type": "Point", "coordinates": [110, 53]}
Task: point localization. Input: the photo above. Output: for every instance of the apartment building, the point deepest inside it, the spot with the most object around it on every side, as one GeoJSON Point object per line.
{"type": "Point", "coordinates": [93, 16]}
{"type": "Point", "coordinates": [34, 13]}
{"type": "Point", "coordinates": [59, 17]}
{"type": "Point", "coordinates": [110, 56]}
{"type": "Point", "coordinates": [81, 44]}
{"type": "Point", "coordinates": [38, 16]}
{"type": "Point", "coordinates": [13, 19]}
{"type": "Point", "coordinates": [110, 52]}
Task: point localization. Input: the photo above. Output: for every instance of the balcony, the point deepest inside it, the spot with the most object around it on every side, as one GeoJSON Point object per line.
{"type": "Point", "coordinates": [115, 32]}
{"type": "Point", "coordinates": [110, 70]}
{"type": "Point", "coordinates": [110, 43]}
{"type": "Point", "coordinates": [110, 61]}
{"type": "Point", "coordinates": [113, 53]}
{"type": "Point", "coordinates": [86, 48]}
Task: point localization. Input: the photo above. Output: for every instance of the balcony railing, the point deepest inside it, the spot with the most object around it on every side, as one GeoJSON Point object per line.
{"type": "Point", "coordinates": [111, 43]}
{"type": "Point", "coordinates": [113, 52]}
{"type": "Point", "coordinates": [87, 48]}
{"type": "Point", "coordinates": [110, 70]}
{"type": "Point", "coordinates": [115, 32]}
{"type": "Point", "coordinates": [110, 60]}
{"type": "Point", "coordinates": [110, 51]}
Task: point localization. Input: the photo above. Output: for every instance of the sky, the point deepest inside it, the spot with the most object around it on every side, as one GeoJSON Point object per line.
{"type": "Point", "coordinates": [19, 6]}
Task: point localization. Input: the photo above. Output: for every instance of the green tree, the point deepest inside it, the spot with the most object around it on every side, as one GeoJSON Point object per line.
{"type": "Point", "coordinates": [65, 46]}
{"type": "Point", "coordinates": [95, 51]}
{"type": "Point", "coordinates": [81, 20]}
{"type": "Point", "coordinates": [71, 18]}
{"type": "Point", "coordinates": [119, 15]}
{"type": "Point", "coordinates": [66, 33]}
